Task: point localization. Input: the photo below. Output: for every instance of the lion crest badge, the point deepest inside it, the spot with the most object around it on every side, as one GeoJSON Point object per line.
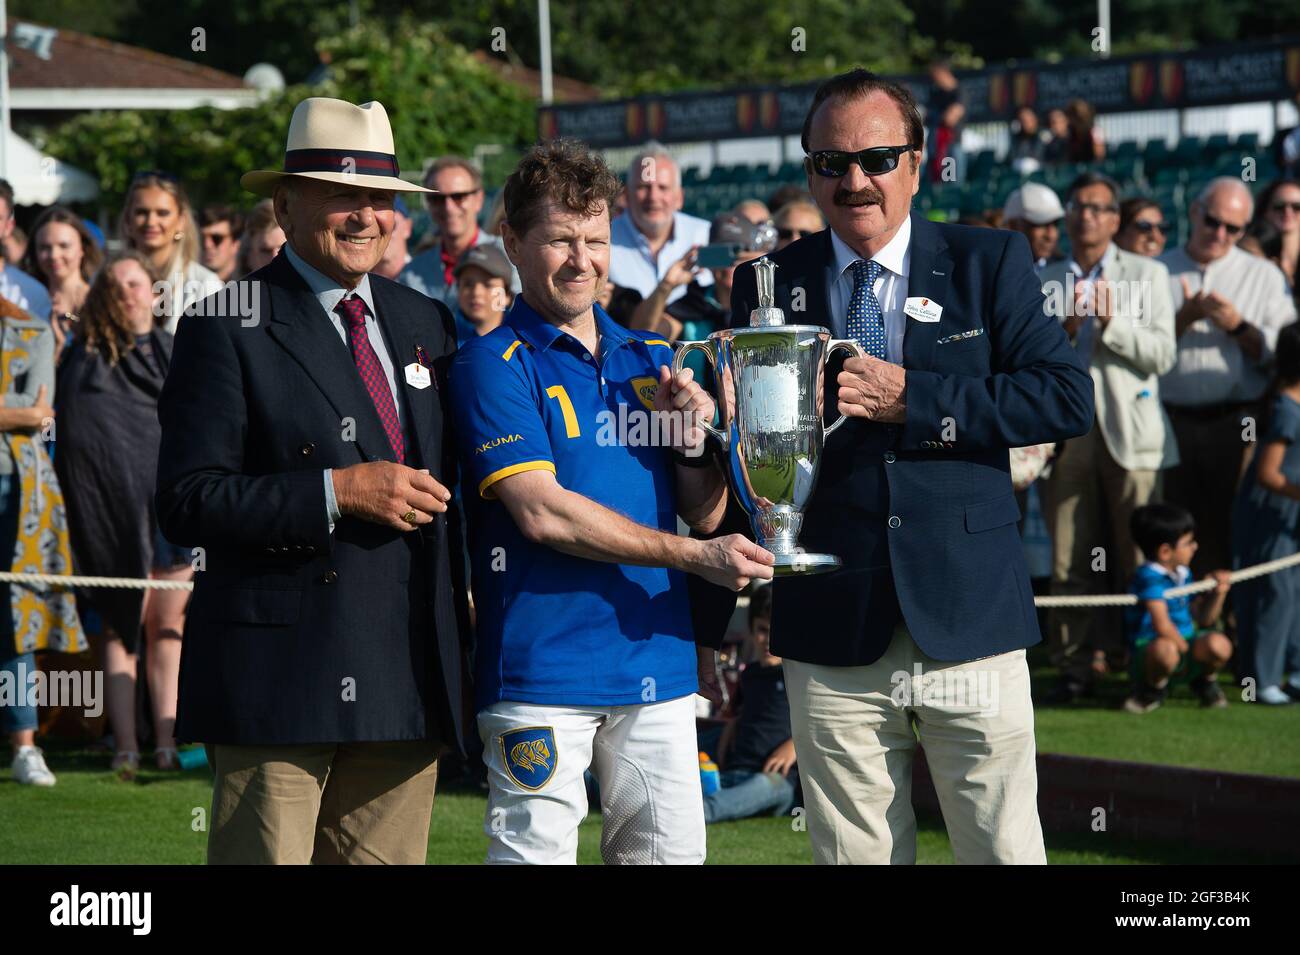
{"type": "Point", "coordinates": [529, 755]}
{"type": "Point", "coordinates": [645, 389]}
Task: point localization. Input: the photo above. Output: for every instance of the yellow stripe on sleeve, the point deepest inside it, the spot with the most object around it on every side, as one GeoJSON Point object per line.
{"type": "Point", "coordinates": [486, 484]}
{"type": "Point", "coordinates": [657, 341]}
{"type": "Point", "coordinates": [511, 350]}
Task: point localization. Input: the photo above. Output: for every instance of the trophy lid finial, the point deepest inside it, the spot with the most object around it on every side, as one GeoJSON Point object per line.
{"type": "Point", "coordinates": [765, 274]}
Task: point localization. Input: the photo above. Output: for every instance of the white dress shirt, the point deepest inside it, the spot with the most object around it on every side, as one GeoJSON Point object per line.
{"type": "Point", "coordinates": [632, 265]}
{"type": "Point", "coordinates": [329, 293]}
{"type": "Point", "coordinates": [1212, 368]}
{"type": "Point", "coordinates": [891, 285]}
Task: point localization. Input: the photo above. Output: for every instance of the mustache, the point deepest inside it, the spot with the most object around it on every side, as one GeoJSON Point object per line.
{"type": "Point", "coordinates": [863, 197]}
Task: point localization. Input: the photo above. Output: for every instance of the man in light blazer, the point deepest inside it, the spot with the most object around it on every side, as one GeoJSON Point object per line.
{"type": "Point", "coordinates": [1116, 308]}
{"type": "Point", "coordinates": [306, 448]}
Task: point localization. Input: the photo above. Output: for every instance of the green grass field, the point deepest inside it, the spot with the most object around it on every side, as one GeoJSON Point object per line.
{"type": "Point", "coordinates": [92, 818]}
{"type": "Point", "coordinates": [1244, 738]}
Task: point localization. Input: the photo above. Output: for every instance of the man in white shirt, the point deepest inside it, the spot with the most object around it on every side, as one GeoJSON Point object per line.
{"type": "Point", "coordinates": [1229, 307]}
{"type": "Point", "coordinates": [653, 234]}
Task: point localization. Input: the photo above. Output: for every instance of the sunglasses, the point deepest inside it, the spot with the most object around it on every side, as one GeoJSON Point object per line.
{"type": "Point", "coordinates": [1214, 225]}
{"type": "Point", "coordinates": [876, 161]}
{"type": "Point", "coordinates": [441, 198]}
{"type": "Point", "coordinates": [1079, 208]}
{"type": "Point", "coordinates": [793, 233]}
{"type": "Point", "coordinates": [1145, 226]}
{"type": "Point", "coordinates": [217, 238]}
{"type": "Point", "coordinates": [1280, 206]}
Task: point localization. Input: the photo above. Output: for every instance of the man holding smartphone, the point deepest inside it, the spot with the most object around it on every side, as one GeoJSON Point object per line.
{"type": "Point", "coordinates": [653, 236]}
{"type": "Point", "coordinates": [704, 308]}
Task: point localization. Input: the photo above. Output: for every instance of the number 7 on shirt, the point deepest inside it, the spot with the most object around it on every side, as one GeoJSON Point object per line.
{"type": "Point", "coordinates": [566, 408]}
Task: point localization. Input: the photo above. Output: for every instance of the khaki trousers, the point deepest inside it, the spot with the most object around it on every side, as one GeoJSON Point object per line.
{"type": "Point", "coordinates": [1090, 500]}
{"type": "Point", "coordinates": [327, 803]}
{"type": "Point", "coordinates": [855, 733]}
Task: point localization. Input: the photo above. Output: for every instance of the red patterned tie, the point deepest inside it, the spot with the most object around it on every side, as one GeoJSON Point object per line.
{"type": "Point", "coordinates": [353, 312]}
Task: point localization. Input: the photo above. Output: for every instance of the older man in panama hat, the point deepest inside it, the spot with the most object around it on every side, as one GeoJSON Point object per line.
{"type": "Point", "coordinates": [304, 452]}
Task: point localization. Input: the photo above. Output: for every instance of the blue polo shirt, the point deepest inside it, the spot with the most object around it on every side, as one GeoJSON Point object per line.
{"type": "Point", "coordinates": [1150, 583]}
{"type": "Point", "coordinates": [553, 628]}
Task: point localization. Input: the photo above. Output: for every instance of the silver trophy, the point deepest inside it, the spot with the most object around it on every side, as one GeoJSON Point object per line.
{"type": "Point", "coordinates": [770, 380]}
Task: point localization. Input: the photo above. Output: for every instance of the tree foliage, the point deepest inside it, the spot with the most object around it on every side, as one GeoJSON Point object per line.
{"type": "Point", "coordinates": [438, 97]}
{"type": "Point", "coordinates": [687, 44]}
{"type": "Point", "coordinates": [698, 43]}
{"type": "Point", "coordinates": [1000, 30]}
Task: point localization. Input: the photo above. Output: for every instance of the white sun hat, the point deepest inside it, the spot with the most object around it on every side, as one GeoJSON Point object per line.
{"type": "Point", "coordinates": [336, 141]}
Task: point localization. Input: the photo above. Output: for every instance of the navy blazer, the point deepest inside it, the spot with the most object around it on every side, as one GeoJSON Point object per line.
{"type": "Point", "coordinates": [923, 514]}
{"type": "Point", "coordinates": [294, 634]}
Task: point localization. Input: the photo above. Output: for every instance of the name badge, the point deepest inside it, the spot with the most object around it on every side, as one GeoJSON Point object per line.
{"type": "Point", "coordinates": [923, 309]}
{"type": "Point", "coordinates": [417, 376]}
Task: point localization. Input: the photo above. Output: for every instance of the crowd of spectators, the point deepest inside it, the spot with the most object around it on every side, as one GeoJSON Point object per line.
{"type": "Point", "coordinates": [1190, 469]}
{"type": "Point", "coordinates": [1184, 344]}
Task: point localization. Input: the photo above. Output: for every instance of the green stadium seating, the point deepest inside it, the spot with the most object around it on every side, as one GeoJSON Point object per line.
{"type": "Point", "coordinates": [1126, 151]}
{"type": "Point", "coordinates": [1155, 152]}
{"type": "Point", "coordinates": [1189, 151]}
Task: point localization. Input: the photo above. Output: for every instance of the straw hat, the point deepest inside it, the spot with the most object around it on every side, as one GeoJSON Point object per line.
{"type": "Point", "coordinates": [333, 140]}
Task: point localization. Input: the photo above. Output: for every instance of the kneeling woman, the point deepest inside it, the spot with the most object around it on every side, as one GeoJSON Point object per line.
{"type": "Point", "coordinates": [107, 458]}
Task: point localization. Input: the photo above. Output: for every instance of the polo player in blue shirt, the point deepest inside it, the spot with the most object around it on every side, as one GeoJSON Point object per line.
{"type": "Point", "coordinates": [580, 452]}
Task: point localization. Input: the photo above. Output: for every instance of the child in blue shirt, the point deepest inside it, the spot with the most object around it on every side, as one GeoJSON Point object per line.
{"type": "Point", "coordinates": [1173, 634]}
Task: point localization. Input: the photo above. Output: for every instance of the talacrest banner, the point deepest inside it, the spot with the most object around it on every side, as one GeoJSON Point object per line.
{"type": "Point", "coordinates": [1242, 72]}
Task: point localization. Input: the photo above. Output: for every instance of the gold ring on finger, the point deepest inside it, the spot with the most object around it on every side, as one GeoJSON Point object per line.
{"type": "Point", "coordinates": [409, 516]}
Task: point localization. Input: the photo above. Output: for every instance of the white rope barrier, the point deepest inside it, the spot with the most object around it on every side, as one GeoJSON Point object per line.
{"type": "Point", "coordinates": [41, 581]}
{"type": "Point", "coordinates": [1128, 600]}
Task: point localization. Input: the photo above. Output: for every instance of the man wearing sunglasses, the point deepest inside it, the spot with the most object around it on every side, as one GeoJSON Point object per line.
{"type": "Point", "coordinates": [454, 209]}
{"type": "Point", "coordinates": [914, 496]}
{"type": "Point", "coordinates": [1230, 306]}
{"type": "Point", "coordinates": [221, 228]}
{"type": "Point", "coordinates": [1115, 307]}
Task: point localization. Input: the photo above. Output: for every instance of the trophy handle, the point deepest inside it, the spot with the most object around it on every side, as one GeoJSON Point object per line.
{"type": "Point", "coordinates": [857, 351]}
{"type": "Point", "coordinates": [678, 359]}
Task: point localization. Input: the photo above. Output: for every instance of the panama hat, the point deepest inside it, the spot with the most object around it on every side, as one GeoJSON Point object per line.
{"type": "Point", "coordinates": [335, 141]}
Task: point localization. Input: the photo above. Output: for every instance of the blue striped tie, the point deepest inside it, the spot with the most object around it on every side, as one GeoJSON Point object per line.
{"type": "Point", "coordinates": [866, 324]}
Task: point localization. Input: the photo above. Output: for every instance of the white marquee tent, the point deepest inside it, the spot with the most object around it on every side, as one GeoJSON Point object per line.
{"type": "Point", "coordinates": [41, 180]}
